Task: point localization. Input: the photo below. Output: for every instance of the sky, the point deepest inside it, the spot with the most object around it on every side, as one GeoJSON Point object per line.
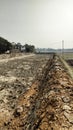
{"type": "Point", "coordinates": [43, 23]}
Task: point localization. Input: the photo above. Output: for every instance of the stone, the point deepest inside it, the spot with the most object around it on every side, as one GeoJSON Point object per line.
{"type": "Point", "coordinates": [66, 107]}
{"type": "Point", "coordinates": [66, 99]}
{"type": "Point", "coordinates": [18, 111]}
{"type": "Point", "coordinates": [69, 117]}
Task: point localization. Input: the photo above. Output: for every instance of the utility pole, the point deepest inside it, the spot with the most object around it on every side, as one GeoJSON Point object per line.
{"type": "Point", "coordinates": [62, 48]}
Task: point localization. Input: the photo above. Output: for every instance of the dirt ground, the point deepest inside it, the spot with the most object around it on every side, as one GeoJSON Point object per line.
{"type": "Point", "coordinates": [36, 93]}
{"type": "Point", "coordinates": [17, 73]}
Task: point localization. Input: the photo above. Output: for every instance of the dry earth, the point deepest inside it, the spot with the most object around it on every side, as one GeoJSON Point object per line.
{"type": "Point", "coordinates": [17, 73]}
{"type": "Point", "coordinates": [37, 96]}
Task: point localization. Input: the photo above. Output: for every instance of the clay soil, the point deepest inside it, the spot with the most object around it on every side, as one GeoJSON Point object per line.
{"type": "Point", "coordinates": [36, 93]}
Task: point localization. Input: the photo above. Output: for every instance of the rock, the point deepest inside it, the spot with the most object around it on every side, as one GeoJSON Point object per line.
{"type": "Point", "coordinates": [18, 111]}
{"type": "Point", "coordinates": [66, 99]}
{"type": "Point", "coordinates": [65, 107]}
{"type": "Point", "coordinates": [69, 117]}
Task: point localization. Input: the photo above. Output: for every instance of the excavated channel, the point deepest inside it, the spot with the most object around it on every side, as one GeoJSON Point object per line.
{"type": "Point", "coordinates": [48, 105]}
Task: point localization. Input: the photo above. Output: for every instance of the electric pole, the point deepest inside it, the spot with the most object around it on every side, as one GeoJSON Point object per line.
{"type": "Point", "coordinates": [62, 47]}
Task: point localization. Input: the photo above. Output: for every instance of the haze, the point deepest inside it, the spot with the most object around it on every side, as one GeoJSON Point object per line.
{"type": "Point", "coordinates": [43, 23]}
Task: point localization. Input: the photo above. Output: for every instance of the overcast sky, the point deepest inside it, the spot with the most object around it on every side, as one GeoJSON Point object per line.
{"type": "Point", "coordinates": [44, 23]}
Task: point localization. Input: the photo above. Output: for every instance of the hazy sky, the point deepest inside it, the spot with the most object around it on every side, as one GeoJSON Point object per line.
{"type": "Point", "coordinates": [44, 23]}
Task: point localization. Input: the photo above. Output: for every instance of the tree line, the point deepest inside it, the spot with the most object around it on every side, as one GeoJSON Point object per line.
{"type": "Point", "coordinates": [5, 45]}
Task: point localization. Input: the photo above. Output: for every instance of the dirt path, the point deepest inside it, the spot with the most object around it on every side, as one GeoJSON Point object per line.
{"type": "Point", "coordinates": [15, 58]}
{"type": "Point", "coordinates": [48, 105]}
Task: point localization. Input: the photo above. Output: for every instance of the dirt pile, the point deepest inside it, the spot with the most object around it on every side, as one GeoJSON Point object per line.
{"type": "Point", "coordinates": [48, 105]}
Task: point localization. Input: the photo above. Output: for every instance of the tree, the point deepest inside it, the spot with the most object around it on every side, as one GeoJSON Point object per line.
{"type": "Point", "coordinates": [18, 45]}
{"type": "Point", "coordinates": [4, 45]}
{"type": "Point", "coordinates": [29, 48]}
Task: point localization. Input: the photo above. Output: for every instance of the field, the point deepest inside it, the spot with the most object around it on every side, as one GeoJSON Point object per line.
{"type": "Point", "coordinates": [69, 58]}
{"type": "Point", "coordinates": [36, 93]}
{"type": "Point", "coordinates": [16, 76]}
{"type": "Point", "coordinates": [68, 55]}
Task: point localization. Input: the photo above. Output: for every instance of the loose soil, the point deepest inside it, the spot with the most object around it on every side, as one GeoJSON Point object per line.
{"type": "Point", "coordinates": [16, 76]}
{"type": "Point", "coordinates": [43, 103]}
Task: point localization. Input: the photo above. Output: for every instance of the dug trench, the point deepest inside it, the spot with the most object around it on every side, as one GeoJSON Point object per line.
{"type": "Point", "coordinates": [48, 105]}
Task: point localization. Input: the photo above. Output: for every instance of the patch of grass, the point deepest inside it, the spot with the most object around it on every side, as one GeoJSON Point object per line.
{"type": "Point", "coordinates": [68, 55]}
{"type": "Point", "coordinates": [68, 67]}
